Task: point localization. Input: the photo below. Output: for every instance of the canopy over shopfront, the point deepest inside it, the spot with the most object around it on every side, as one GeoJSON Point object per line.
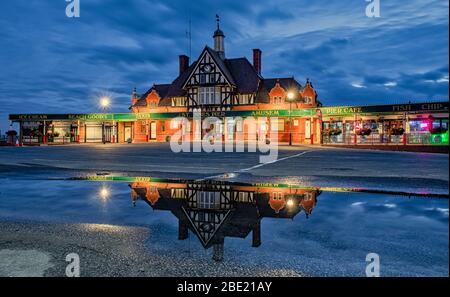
{"type": "Point", "coordinates": [416, 123]}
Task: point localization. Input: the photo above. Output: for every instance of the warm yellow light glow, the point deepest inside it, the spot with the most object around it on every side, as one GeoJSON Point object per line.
{"type": "Point", "coordinates": [105, 101]}
{"type": "Point", "coordinates": [290, 203]}
{"type": "Point", "coordinates": [291, 95]}
{"type": "Point", "coordinates": [104, 193]}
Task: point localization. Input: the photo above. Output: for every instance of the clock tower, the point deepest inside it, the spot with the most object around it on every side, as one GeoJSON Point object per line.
{"type": "Point", "coordinates": [219, 40]}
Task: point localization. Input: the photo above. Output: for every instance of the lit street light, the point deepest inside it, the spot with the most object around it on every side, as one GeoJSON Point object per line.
{"type": "Point", "coordinates": [105, 102]}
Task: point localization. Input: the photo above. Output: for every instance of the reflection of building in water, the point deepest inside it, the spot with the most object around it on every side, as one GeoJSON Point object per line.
{"type": "Point", "coordinates": [215, 210]}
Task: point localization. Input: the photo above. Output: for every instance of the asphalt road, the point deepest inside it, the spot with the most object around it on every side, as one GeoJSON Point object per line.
{"type": "Point", "coordinates": [311, 166]}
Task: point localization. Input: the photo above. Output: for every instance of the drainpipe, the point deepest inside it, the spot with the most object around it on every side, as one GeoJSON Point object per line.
{"type": "Point", "coordinates": [21, 133]}
{"type": "Point", "coordinates": [78, 131]}
{"type": "Point", "coordinates": [113, 137]}
{"type": "Point", "coordinates": [404, 128]}
{"type": "Point", "coordinates": [44, 137]}
{"type": "Point", "coordinates": [10, 133]}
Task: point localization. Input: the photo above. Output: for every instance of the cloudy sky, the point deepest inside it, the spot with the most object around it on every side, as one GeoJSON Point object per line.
{"type": "Point", "coordinates": [51, 63]}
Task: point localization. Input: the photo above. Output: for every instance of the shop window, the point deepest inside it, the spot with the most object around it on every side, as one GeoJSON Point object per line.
{"type": "Point", "coordinates": [187, 126]}
{"type": "Point", "coordinates": [276, 124]}
{"type": "Point", "coordinates": [418, 126]}
{"type": "Point", "coordinates": [174, 124]}
{"type": "Point", "coordinates": [239, 126]}
{"type": "Point", "coordinates": [143, 127]}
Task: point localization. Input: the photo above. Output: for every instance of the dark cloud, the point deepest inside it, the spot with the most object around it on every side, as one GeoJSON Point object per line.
{"type": "Point", "coordinates": [273, 14]}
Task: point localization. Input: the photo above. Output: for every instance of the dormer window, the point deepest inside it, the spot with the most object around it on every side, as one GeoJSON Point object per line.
{"type": "Point", "coordinates": [278, 100]}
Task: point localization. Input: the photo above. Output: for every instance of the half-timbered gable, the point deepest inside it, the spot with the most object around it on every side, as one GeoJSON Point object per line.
{"type": "Point", "coordinates": [210, 82]}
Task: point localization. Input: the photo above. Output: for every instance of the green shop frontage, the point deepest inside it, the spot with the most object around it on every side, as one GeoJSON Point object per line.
{"type": "Point", "coordinates": [403, 124]}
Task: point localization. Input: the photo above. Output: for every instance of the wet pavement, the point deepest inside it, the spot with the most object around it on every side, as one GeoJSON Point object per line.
{"type": "Point", "coordinates": [220, 228]}
{"type": "Point", "coordinates": [311, 166]}
{"type": "Point", "coordinates": [280, 219]}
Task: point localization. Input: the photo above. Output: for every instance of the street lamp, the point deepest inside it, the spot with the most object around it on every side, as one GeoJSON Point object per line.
{"type": "Point", "coordinates": [290, 98]}
{"type": "Point", "coordinates": [105, 102]}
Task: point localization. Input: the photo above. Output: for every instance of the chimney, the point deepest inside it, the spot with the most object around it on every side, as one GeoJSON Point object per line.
{"type": "Point", "coordinates": [257, 60]}
{"type": "Point", "coordinates": [184, 63]}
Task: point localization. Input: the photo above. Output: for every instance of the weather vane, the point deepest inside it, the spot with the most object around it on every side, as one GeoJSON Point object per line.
{"type": "Point", "coordinates": [217, 20]}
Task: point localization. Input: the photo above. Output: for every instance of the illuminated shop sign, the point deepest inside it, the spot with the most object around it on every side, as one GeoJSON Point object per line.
{"type": "Point", "coordinates": [413, 107]}
{"type": "Point", "coordinates": [307, 112]}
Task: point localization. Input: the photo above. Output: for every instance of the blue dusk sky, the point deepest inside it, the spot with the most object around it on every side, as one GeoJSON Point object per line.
{"type": "Point", "coordinates": [50, 63]}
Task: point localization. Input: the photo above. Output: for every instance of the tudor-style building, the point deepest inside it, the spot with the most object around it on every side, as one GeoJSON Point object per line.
{"type": "Point", "coordinates": [214, 84]}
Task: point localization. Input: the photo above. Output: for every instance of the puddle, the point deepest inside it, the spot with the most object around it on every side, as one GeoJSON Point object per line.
{"type": "Point", "coordinates": [318, 231]}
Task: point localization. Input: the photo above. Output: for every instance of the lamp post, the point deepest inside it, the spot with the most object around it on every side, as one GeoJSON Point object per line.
{"type": "Point", "coordinates": [105, 101]}
{"type": "Point", "coordinates": [290, 97]}
{"type": "Point", "coordinates": [10, 133]}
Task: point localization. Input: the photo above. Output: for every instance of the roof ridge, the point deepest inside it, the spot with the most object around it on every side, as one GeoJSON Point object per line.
{"type": "Point", "coordinates": [240, 58]}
